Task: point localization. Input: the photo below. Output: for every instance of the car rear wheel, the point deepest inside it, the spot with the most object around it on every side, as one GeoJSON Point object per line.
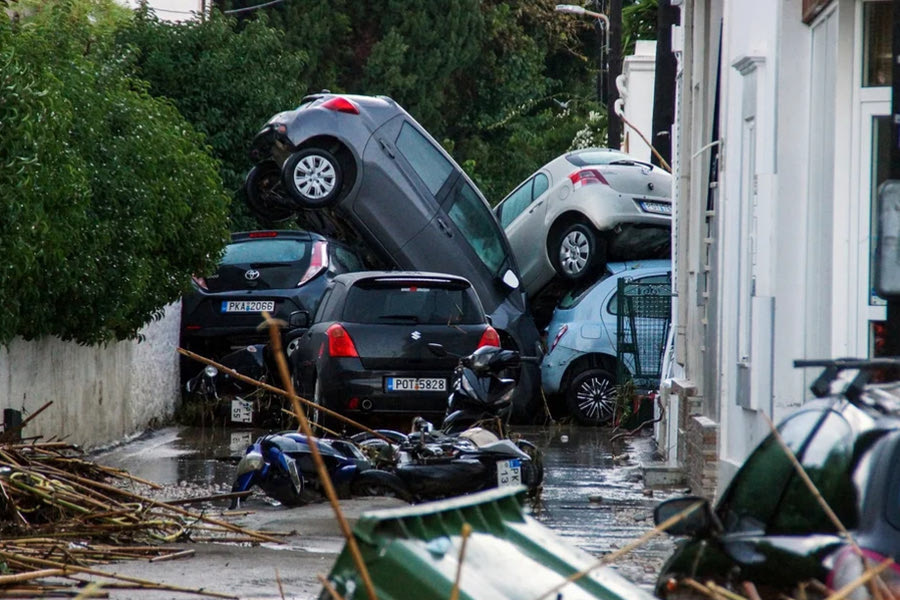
{"type": "Point", "coordinates": [591, 396]}
{"type": "Point", "coordinates": [313, 177]}
{"type": "Point", "coordinates": [577, 252]}
{"type": "Point", "coordinates": [265, 194]}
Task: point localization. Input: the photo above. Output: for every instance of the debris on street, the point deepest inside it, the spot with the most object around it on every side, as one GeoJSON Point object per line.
{"type": "Point", "coordinates": [62, 515]}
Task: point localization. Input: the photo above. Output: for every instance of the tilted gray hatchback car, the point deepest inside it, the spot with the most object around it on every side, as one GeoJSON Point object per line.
{"type": "Point", "coordinates": [361, 169]}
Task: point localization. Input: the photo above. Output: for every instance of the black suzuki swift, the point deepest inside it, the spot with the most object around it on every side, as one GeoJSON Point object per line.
{"type": "Point", "coordinates": [366, 352]}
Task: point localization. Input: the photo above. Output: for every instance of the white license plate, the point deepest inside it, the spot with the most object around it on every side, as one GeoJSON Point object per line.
{"type": "Point", "coordinates": [244, 306]}
{"type": "Point", "coordinates": [509, 473]}
{"type": "Point", "coordinates": [241, 411]}
{"type": "Point", "coordinates": [415, 384]}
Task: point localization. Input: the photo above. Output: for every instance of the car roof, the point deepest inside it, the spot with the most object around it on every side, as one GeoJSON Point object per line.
{"type": "Point", "coordinates": [295, 234]}
{"type": "Point", "coordinates": [350, 279]}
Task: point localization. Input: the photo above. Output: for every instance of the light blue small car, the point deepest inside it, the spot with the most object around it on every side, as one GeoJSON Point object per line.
{"type": "Point", "coordinates": [581, 361]}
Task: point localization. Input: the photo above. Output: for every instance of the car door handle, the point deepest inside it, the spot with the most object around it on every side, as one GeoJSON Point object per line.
{"type": "Point", "coordinates": [535, 205]}
{"type": "Point", "coordinates": [386, 147]}
{"type": "Point", "coordinates": [443, 227]}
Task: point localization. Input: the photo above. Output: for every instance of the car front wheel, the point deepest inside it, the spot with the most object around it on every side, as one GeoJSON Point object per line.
{"type": "Point", "coordinates": [577, 252]}
{"type": "Point", "coordinates": [265, 196]}
{"type": "Point", "coordinates": [591, 397]}
{"type": "Point", "coordinates": [313, 177]}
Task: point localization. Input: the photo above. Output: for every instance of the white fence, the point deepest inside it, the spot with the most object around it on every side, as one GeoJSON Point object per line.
{"type": "Point", "coordinates": [100, 394]}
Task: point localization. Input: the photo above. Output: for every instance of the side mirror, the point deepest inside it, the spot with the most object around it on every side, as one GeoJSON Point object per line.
{"type": "Point", "coordinates": [510, 279]}
{"type": "Point", "coordinates": [698, 520]}
{"type": "Point", "coordinates": [299, 319]}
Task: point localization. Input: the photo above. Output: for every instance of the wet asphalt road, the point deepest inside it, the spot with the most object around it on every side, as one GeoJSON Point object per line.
{"type": "Point", "coordinates": [593, 493]}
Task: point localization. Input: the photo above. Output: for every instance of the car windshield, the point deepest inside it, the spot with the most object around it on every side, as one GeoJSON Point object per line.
{"type": "Point", "coordinates": [271, 250]}
{"type": "Point", "coordinates": [478, 226]}
{"type": "Point", "coordinates": [425, 303]}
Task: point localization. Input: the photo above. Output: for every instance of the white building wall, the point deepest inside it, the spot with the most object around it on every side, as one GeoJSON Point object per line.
{"type": "Point", "coordinates": [173, 10]}
{"type": "Point", "coordinates": [99, 394]}
{"type": "Point", "coordinates": [638, 76]}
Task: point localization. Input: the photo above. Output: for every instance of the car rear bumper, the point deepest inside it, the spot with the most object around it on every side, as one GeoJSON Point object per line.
{"type": "Point", "coordinates": [350, 389]}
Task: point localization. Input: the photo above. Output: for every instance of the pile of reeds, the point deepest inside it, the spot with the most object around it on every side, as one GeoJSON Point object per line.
{"type": "Point", "coordinates": [62, 515]}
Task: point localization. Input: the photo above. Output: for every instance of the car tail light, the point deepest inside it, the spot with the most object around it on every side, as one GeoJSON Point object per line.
{"type": "Point", "coordinates": [341, 104]}
{"type": "Point", "coordinates": [587, 176]}
{"type": "Point", "coordinates": [200, 282]}
{"type": "Point", "coordinates": [353, 403]}
{"type": "Point", "coordinates": [559, 334]}
{"type": "Point", "coordinates": [340, 344]}
{"type": "Point", "coordinates": [490, 337]}
{"type": "Point", "coordinates": [848, 566]}
{"type": "Point", "coordinates": [318, 262]}
{"type": "Point", "coordinates": [263, 234]}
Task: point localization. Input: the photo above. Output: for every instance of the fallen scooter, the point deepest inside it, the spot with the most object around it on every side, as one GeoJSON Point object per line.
{"type": "Point", "coordinates": [282, 466]}
{"type": "Point", "coordinates": [463, 457]}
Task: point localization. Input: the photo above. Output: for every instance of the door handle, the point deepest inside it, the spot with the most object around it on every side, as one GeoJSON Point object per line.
{"type": "Point", "coordinates": [386, 147]}
{"type": "Point", "coordinates": [535, 205]}
{"type": "Point", "coordinates": [443, 227]}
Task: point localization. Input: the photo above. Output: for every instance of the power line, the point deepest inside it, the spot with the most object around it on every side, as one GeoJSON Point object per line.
{"type": "Point", "coordinates": [249, 8]}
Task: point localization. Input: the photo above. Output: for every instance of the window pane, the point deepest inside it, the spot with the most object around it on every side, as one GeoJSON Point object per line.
{"type": "Point", "coordinates": [877, 44]}
{"type": "Point", "coordinates": [513, 206]}
{"type": "Point", "coordinates": [411, 304]}
{"type": "Point", "coordinates": [478, 227]}
{"type": "Point", "coordinates": [541, 183]}
{"type": "Point", "coordinates": [426, 160]}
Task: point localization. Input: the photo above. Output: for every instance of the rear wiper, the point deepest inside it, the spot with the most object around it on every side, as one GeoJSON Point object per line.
{"type": "Point", "coordinates": [410, 318]}
{"type": "Point", "coordinates": [632, 163]}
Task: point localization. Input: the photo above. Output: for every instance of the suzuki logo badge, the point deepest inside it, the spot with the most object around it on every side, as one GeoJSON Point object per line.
{"type": "Point", "coordinates": [415, 335]}
{"type": "Point", "coordinates": [251, 275]}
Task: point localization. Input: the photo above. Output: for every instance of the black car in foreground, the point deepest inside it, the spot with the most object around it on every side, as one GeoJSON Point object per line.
{"type": "Point", "coordinates": [366, 352]}
{"type": "Point", "coordinates": [768, 527]}
{"type": "Point", "coordinates": [362, 169]}
{"type": "Point", "coordinates": [276, 271]}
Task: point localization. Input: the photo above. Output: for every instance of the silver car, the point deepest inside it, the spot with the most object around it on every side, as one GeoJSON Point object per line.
{"type": "Point", "coordinates": [585, 208]}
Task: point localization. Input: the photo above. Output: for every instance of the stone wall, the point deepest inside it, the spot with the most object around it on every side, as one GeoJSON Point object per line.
{"type": "Point", "coordinates": [99, 394]}
{"type": "Point", "coordinates": [701, 457]}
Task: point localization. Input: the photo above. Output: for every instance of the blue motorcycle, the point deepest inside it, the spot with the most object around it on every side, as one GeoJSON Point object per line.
{"type": "Point", "coordinates": [282, 466]}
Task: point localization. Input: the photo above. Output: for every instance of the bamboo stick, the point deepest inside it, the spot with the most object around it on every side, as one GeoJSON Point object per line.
{"type": "Point", "coordinates": [464, 534]}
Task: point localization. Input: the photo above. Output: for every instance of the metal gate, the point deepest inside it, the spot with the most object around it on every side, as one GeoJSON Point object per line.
{"type": "Point", "coordinates": [643, 315]}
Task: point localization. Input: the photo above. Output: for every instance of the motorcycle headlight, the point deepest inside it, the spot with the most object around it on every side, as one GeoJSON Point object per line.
{"type": "Point", "coordinates": [210, 371]}
{"type": "Point", "coordinates": [252, 461]}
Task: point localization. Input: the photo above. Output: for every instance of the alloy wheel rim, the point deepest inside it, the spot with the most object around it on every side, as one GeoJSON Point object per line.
{"type": "Point", "coordinates": [315, 176]}
{"type": "Point", "coordinates": [596, 399]}
{"type": "Point", "coordinates": [574, 252]}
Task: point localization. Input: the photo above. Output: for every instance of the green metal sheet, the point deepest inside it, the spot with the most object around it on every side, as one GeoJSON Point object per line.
{"type": "Point", "coordinates": [414, 553]}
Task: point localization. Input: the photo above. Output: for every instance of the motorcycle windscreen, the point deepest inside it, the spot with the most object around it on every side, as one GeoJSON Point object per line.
{"type": "Point", "coordinates": [392, 323]}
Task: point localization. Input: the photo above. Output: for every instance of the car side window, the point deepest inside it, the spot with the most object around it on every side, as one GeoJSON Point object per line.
{"type": "Point", "coordinates": [477, 225]}
{"type": "Point", "coordinates": [541, 185]}
{"type": "Point", "coordinates": [743, 508]}
{"type": "Point", "coordinates": [515, 203]}
{"type": "Point", "coordinates": [346, 260]}
{"type": "Point", "coordinates": [426, 160]}
{"type": "Point", "coordinates": [613, 306]}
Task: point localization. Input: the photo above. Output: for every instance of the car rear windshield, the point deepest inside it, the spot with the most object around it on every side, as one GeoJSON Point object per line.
{"type": "Point", "coordinates": [599, 157]}
{"type": "Point", "coordinates": [269, 250]}
{"type": "Point", "coordinates": [414, 303]}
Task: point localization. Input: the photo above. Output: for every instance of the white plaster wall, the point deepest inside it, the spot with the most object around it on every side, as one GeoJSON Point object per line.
{"type": "Point", "coordinates": [100, 394]}
{"type": "Point", "coordinates": [173, 10]}
{"type": "Point", "coordinates": [638, 72]}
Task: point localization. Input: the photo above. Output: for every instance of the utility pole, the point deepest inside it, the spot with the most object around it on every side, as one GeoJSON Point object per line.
{"type": "Point", "coordinates": [614, 126]}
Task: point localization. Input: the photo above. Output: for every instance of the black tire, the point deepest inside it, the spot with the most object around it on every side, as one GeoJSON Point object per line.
{"type": "Point", "coordinates": [591, 397]}
{"type": "Point", "coordinates": [379, 483]}
{"type": "Point", "coordinates": [313, 177]}
{"type": "Point", "coordinates": [265, 195]}
{"type": "Point", "coordinates": [577, 252]}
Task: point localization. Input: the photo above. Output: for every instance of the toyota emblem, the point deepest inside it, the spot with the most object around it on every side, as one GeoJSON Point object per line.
{"type": "Point", "coordinates": [251, 275]}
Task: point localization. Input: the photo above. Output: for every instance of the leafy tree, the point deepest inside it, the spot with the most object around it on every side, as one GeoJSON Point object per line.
{"type": "Point", "coordinates": [226, 82]}
{"type": "Point", "coordinates": [109, 198]}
